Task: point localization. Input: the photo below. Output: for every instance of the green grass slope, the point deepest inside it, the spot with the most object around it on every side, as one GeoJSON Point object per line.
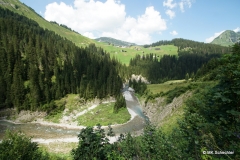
{"type": "Point", "coordinates": [122, 54]}
{"type": "Point", "coordinates": [125, 54]}
{"type": "Point", "coordinates": [227, 38]}
{"type": "Point", "coordinates": [20, 8]}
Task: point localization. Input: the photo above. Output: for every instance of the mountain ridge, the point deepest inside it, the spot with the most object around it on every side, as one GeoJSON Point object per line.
{"type": "Point", "coordinates": [18, 7]}
{"type": "Point", "coordinates": [114, 41]}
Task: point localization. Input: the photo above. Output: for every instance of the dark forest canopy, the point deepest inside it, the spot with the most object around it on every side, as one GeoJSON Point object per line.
{"type": "Point", "coordinates": [37, 66]}
{"type": "Point", "coordinates": [64, 26]}
{"type": "Point", "coordinates": [189, 46]}
{"type": "Point", "coordinates": [210, 124]}
{"type": "Point", "coordinates": [168, 67]}
{"type": "Point", "coordinates": [191, 56]}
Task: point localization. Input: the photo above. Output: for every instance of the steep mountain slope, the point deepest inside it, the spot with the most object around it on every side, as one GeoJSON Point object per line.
{"type": "Point", "coordinates": [38, 66]}
{"type": "Point", "coordinates": [17, 7]}
{"type": "Point", "coordinates": [227, 38]}
{"type": "Point", "coordinates": [20, 8]}
{"type": "Point", "coordinates": [116, 42]}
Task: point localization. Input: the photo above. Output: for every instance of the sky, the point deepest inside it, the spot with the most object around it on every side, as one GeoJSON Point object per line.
{"type": "Point", "coordinates": [143, 21]}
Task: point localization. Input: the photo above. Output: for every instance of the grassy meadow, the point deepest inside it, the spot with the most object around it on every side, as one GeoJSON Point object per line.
{"type": "Point", "coordinates": [131, 52]}
{"type": "Point", "coordinates": [103, 114]}
{"type": "Point", "coordinates": [166, 86]}
{"type": "Point", "coordinates": [82, 41]}
{"type": "Point", "coordinates": [170, 85]}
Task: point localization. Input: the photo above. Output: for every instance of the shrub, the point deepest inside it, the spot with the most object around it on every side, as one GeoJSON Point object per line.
{"type": "Point", "coordinates": [93, 144]}
{"type": "Point", "coordinates": [18, 146]}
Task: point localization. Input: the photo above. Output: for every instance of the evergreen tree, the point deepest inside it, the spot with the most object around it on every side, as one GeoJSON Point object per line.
{"type": "Point", "coordinates": [120, 103]}
{"type": "Point", "coordinates": [37, 66]}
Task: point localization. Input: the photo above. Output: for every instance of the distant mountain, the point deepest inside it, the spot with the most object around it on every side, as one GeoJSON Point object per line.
{"type": "Point", "coordinates": [116, 42]}
{"type": "Point", "coordinates": [227, 38]}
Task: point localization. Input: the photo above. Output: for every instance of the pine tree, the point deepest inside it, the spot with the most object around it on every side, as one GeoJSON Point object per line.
{"type": "Point", "coordinates": [17, 87]}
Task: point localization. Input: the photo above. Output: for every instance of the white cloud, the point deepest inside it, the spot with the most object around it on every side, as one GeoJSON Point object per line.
{"type": "Point", "coordinates": [170, 13]}
{"type": "Point", "coordinates": [185, 3]}
{"type": "Point", "coordinates": [139, 30]}
{"type": "Point", "coordinates": [89, 35]}
{"type": "Point", "coordinates": [94, 18]}
{"type": "Point", "coordinates": [181, 6]}
{"type": "Point", "coordinates": [132, 35]}
{"type": "Point", "coordinates": [174, 33]}
{"type": "Point", "coordinates": [237, 29]}
{"type": "Point", "coordinates": [210, 39]}
{"type": "Point", "coordinates": [87, 15]}
{"type": "Point", "coordinates": [169, 4]}
{"type": "Point", "coordinates": [150, 21]}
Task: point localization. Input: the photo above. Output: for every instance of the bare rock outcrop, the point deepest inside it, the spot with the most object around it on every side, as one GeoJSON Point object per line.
{"type": "Point", "coordinates": [138, 77]}
{"type": "Point", "coordinates": [157, 110]}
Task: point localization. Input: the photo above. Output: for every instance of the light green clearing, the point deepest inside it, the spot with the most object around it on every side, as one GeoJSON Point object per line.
{"type": "Point", "coordinates": [72, 103]}
{"type": "Point", "coordinates": [54, 118]}
{"type": "Point", "coordinates": [131, 52]}
{"type": "Point", "coordinates": [170, 85]}
{"type": "Point", "coordinates": [167, 86]}
{"type": "Point", "coordinates": [103, 114]}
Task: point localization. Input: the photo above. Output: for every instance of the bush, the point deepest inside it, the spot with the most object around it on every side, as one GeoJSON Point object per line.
{"type": "Point", "coordinates": [93, 144]}
{"type": "Point", "coordinates": [177, 91]}
{"type": "Point", "coordinates": [18, 146]}
{"type": "Point", "coordinates": [52, 109]}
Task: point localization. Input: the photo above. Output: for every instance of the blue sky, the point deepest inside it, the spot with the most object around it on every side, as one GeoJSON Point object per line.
{"type": "Point", "coordinates": [143, 21]}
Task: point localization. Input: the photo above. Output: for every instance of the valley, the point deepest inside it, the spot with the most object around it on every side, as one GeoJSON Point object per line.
{"type": "Point", "coordinates": [67, 96]}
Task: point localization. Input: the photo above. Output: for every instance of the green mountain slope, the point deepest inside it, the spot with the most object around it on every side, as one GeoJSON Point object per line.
{"type": "Point", "coordinates": [20, 8]}
{"type": "Point", "coordinates": [38, 66]}
{"type": "Point", "coordinates": [17, 7]}
{"type": "Point", "coordinates": [227, 38]}
{"type": "Point", "coordinates": [116, 42]}
{"type": "Point", "coordinates": [122, 54]}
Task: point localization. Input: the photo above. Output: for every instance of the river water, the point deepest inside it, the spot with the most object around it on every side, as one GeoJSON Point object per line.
{"type": "Point", "coordinates": [45, 133]}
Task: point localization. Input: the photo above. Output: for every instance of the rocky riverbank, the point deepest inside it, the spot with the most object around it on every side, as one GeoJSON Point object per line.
{"type": "Point", "coordinates": [157, 110]}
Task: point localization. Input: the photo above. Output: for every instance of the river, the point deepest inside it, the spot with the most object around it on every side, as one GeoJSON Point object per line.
{"type": "Point", "coordinates": [45, 133]}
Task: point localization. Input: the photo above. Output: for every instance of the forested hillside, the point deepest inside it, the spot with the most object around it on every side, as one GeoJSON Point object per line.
{"type": "Point", "coordinates": [189, 46]}
{"type": "Point", "coordinates": [37, 66]}
{"type": "Point", "coordinates": [191, 56]}
{"type": "Point", "coordinates": [18, 7]}
{"type": "Point", "coordinates": [209, 128]}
